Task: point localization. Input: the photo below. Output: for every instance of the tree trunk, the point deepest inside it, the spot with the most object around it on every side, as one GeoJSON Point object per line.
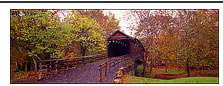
{"type": "Point", "coordinates": [83, 50]}
{"type": "Point", "coordinates": [144, 69]}
{"type": "Point", "coordinates": [166, 65]}
{"type": "Point", "coordinates": [188, 68]}
{"type": "Point", "coordinates": [83, 53]}
{"type": "Point", "coordinates": [36, 65]}
{"type": "Point", "coordinates": [31, 66]}
{"type": "Point", "coordinates": [26, 66]}
{"type": "Point", "coordinates": [22, 66]}
{"type": "Point", "coordinates": [177, 63]}
{"type": "Point", "coordinates": [135, 68]}
{"type": "Point", "coordinates": [17, 66]}
{"type": "Point", "coordinates": [151, 65]}
{"type": "Point", "coordinates": [144, 64]}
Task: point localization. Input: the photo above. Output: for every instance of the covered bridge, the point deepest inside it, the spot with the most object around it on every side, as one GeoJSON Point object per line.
{"type": "Point", "coordinates": [122, 44]}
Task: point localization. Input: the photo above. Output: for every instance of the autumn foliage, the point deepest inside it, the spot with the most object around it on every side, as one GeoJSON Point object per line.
{"type": "Point", "coordinates": [188, 38]}
{"type": "Point", "coordinates": [43, 34]}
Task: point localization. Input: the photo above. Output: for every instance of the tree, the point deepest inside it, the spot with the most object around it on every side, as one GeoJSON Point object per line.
{"type": "Point", "coordinates": [187, 35]}
{"type": "Point", "coordinates": [195, 28]}
{"type": "Point", "coordinates": [150, 24]}
{"type": "Point", "coordinates": [39, 33]}
{"type": "Point", "coordinates": [107, 22]}
{"type": "Point", "coordinates": [42, 30]}
{"type": "Point", "coordinates": [87, 33]}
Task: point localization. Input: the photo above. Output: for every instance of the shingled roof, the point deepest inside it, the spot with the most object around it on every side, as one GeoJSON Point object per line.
{"type": "Point", "coordinates": [125, 35]}
{"type": "Point", "coordinates": [118, 31]}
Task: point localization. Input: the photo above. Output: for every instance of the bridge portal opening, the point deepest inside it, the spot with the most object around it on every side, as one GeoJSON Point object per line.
{"type": "Point", "coordinates": [119, 44]}
{"type": "Point", "coordinates": [118, 47]}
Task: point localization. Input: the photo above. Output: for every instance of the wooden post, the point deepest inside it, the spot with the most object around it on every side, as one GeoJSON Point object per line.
{"type": "Point", "coordinates": [82, 59]}
{"type": "Point", "coordinates": [56, 66]}
{"type": "Point", "coordinates": [40, 70]}
{"type": "Point", "coordinates": [109, 66]}
{"type": "Point", "coordinates": [75, 63]}
{"type": "Point", "coordinates": [100, 72]}
{"type": "Point", "coordinates": [120, 61]}
{"type": "Point", "coordinates": [95, 59]}
{"type": "Point", "coordinates": [106, 64]}
{"type": "Point", "coordinates": [50, 66]}
{"type": "Point", "coordinates": [91, 60]}
{"type": "Point", "coordinates": [67, 64]}
{"type": "Point", "coordinates": [116, 62]}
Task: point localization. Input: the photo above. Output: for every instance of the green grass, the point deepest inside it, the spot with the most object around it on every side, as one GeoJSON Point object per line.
{"type": "Point", "coordinates": [188, 80]}
{"type": "Point", "coordinates": [149, 77]}
{"type": "Point", "coordinates": [157, 71]}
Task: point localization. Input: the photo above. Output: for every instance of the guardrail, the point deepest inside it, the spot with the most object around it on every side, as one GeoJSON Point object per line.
{"type": "Point", "coordinates": [111, 63]}
{"type": "Point", "coordinates": [64, 63]}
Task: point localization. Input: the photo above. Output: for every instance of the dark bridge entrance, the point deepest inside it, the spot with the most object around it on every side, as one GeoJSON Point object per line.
{"type": "Point", "coordinates": [118, 48]}
{"type": "Point", "coordinates": [122, 44]}
{"type": "Point", "coordinates": [119, 44]}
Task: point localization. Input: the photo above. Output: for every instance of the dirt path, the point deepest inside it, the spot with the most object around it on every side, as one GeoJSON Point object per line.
{"type": "Point", "coordinates": [84, 74]}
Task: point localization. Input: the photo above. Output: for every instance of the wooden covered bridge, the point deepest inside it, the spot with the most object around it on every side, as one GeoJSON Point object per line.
{"type": "Point", "coordinates": [122, 44]}
{"type": "Point", "coordinates": [121, 48]}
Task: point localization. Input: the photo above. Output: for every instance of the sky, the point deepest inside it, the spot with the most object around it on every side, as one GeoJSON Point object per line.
{"type": "Point", "coordinates": [119, 14]}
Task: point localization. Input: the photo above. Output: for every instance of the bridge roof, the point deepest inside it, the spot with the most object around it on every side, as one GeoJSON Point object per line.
{"type": "Point", "coordinates": [119, 35]}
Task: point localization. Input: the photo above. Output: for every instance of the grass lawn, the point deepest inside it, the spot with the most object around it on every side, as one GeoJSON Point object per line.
{"type": "Point", "coordinates": [187, 80]}
{"type": "Point", "coordinates": [157, 71]}
{"type": "Point", "coordinates": [149, 78]}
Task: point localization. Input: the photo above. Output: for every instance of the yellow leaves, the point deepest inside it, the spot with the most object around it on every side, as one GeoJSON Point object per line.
{"type": "Point", "coordinates": [172, 57]}
{"type": "Point", "coordinates": [164, 45]}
